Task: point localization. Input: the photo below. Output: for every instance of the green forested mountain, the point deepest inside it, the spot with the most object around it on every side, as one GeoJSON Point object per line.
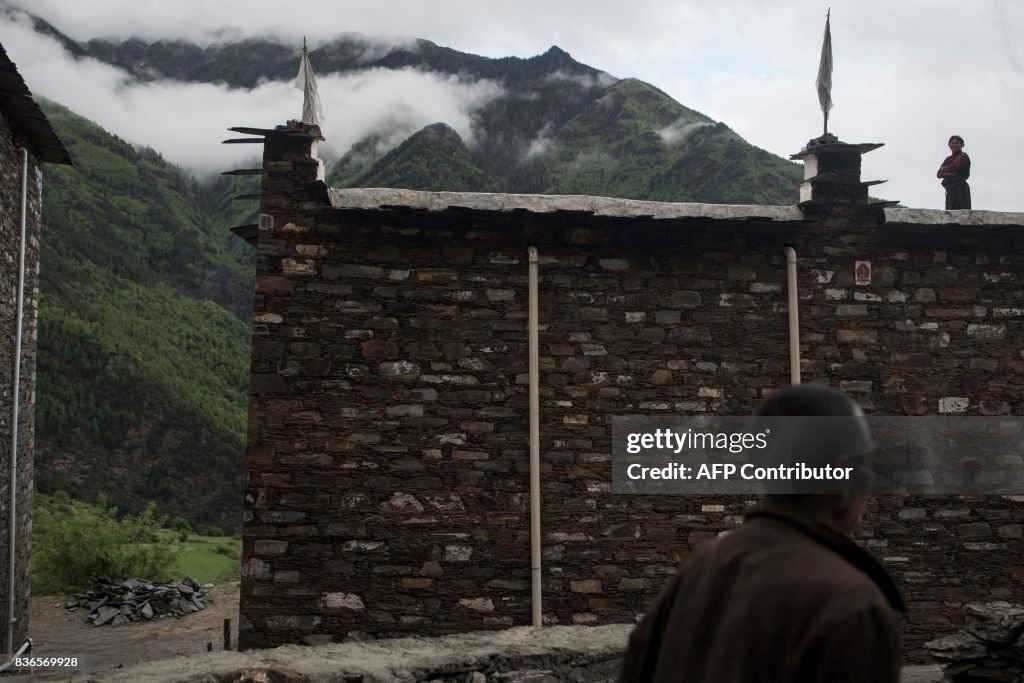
{"type": "Point", "coordinates": [143, 332]}
{"type": "Point", "coordinates": [434, 158]}
{"type": "Point", "coordinates": [633, 141]}
{"type": "Point", "coordinates": [556, 126]}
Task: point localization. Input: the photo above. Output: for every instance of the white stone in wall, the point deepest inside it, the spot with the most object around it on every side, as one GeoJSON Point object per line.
{"type": "Point", "coordinates": [835, 294]}
{"type": "Point", "coordinates": [349, 546]}
{"type": "Point", "coordinates": [450, 379]}
{"type": "Point", "coordinates": [399, 368]}
{"type": "Point", "coordinates": [256, 569]}
{"type": "Point", "coordinates": [478, 604]}
{"type": "Point", "coordinates": [402, 501]}
{"type": "Point", "coordinates": [953, 404]}
{"type": "Point", "coordinates": [341, 601]}
{"type": "Point", "coordinates": [450, 502]}
{"type": "Point", "coordinates": [986, 331]}
{"type": "Point", "coordinates": [296, 267]}
{"type": "Point", "coordinates": [457, 553]}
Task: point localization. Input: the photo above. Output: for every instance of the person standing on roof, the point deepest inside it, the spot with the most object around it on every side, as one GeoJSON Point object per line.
{"type": "Point", "coordinates": [955, 171]}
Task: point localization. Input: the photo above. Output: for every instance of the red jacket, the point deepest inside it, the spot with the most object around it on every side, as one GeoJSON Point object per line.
{"type": "Point", "coordinates": [784, 598]}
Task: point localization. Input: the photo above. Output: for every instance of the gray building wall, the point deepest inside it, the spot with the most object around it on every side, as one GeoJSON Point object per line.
{"type": "Point", "coordinates": [10, 215]}
{"type": "Point", "coordinates": [387, 489]}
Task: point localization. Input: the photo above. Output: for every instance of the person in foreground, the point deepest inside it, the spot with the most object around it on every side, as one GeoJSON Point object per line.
{"type": "Point", "coordinates": [954, 171]}
{"type": "Point", "coordinates": [787, 597]}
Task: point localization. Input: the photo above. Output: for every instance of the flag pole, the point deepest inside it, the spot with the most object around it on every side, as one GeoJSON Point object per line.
{"type": "Point", "coordinates": [828, 15]}
{"type": "Point", "coordinates": [824, 81]}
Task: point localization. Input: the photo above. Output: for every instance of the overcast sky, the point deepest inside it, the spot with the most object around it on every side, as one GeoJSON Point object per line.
{"type": "Point", "coordinates": [907, 73]}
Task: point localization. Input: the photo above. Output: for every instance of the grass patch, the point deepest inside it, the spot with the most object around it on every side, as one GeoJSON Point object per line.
{"type": "Point", "coordinates": [207, 559]}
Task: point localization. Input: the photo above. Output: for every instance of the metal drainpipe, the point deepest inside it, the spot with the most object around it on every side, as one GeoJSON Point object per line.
{"type": "Point", "coordinates": [13, 478]}
{"type": "Point", "coordinates": [534, 350]}
{"type": "Point", "coordinates": [794, 317]}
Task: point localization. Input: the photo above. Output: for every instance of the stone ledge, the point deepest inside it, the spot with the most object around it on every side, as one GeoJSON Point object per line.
{"type": "Point", "coordinates": [383, 198]}
{"type": "Point", "coordinates": [937, 218]}
{"type": "Point", "coordinates": [557, 649]}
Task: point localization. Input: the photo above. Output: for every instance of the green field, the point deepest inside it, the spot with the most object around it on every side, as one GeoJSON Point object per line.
{"type": "Point", "coordinates": [207, 559]}
{"type": "Point", "coordinates": [73, 541]}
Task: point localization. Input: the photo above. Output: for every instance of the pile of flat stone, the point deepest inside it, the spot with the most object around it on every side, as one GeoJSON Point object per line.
{"type": "Point", "coordinates": [991, 649]}
{"type": "Point", "coordinates": [122, 600]}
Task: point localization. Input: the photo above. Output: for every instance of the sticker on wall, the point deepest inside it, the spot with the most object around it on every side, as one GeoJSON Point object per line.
{"type": "Point", "coordinates": [862, 273]}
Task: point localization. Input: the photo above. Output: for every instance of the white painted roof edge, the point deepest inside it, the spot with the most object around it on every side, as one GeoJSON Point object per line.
{"type": "Point", "coordinates": [375, 198]}
{"type": "Point", "coordinates": [958, 217]}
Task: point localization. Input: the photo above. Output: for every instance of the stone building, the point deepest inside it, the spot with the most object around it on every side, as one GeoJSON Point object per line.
{"type": "Point", "coordinates": [26, 142]}
{"type": "Point", "coordinates": [387, 459]}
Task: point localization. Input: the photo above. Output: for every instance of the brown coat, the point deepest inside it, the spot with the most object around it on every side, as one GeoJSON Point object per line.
{"type": "Point", "coordinates": [782, 599]}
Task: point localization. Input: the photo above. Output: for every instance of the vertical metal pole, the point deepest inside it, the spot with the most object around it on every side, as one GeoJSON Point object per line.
{"type": "Point", "coordinates": [794, 317]}
{"type": "Point", "coordinates": [534, 351]}
{"type": "Point", "coordinates": [12, 482]}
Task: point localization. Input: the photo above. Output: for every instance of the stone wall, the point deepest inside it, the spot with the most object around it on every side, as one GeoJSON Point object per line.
{"type": "Point", "coordinates": [387, 489]}
{"type": "Point", "coordinates": [10, 217]}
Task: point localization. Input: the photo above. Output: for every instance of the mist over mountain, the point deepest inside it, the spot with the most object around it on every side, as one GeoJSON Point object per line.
{"type": "Point", "coordinates": [546, 124]}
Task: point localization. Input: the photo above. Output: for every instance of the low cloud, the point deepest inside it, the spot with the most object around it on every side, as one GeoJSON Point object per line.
{"type": "Point", "coordinates": [541, 143]}
{"type": "Point", "coordinates": [186, 121]}
{"type": "Point", "coordinates": [680, 129]}
{"type": "Point", "coordinates": [587, 81]}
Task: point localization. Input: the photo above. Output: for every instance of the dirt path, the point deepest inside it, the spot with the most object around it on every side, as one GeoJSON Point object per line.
{"type": "Point", "coordinates": [56, 631]}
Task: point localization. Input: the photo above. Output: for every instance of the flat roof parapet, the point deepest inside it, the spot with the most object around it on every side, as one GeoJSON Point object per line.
{"type": "Point", "coordinates": [939, 217]}
{"type": "Point", "coordinates": [390, 198]}
{"type": "Point", "coordinates": [386, 199]}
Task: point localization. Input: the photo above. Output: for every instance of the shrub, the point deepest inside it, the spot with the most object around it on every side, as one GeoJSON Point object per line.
{"type": "Point", "coordinates": [227, 550]}
{"type": "Point", "coordinates": [213, 531]}
{"type": "Point", "coordinates": [179, 524]}
{"type": "Point", "coordinates": [71, 546]}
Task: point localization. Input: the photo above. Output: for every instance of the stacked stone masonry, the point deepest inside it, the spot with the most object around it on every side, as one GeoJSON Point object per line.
{"type": "Point", "coordinates": [10, 222]}
{"type": "Point", "coordinates": [387, 486]}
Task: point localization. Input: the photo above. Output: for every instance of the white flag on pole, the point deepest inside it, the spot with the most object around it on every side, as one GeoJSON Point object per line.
{"type": "Point", "coordinates": [824, 82]}
{"type": "Point", "coordinates": [312, 112]}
